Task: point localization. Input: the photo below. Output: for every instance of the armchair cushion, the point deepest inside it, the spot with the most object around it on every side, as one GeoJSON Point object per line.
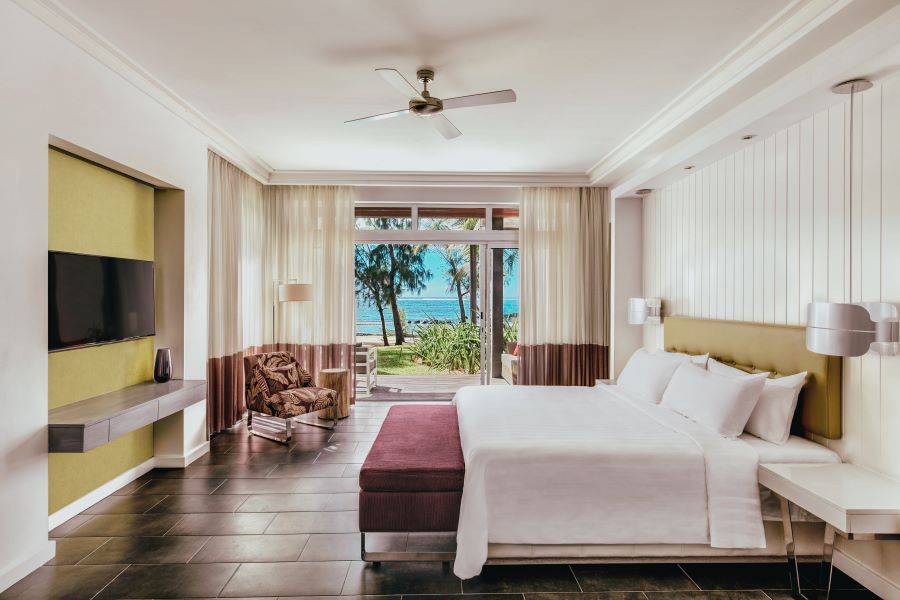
{"type": "Point", "coordinates": [281, 378]}
{"type": "Point", "coordinates": [299, 401]}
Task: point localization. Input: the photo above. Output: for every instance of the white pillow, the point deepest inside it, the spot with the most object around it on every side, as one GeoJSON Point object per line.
{"type": "Point", "coordinates": [647, 374]}
{"type": "Point", "coordinates": [698, 359]}
{"type": "Point", "coordinates": [772, 417]}
{"type": "Point", "coordinates": [718, 402]}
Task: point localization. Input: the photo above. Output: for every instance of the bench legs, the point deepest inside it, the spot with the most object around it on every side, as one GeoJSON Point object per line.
{"type": "Point", "coordinates": [376, 558]}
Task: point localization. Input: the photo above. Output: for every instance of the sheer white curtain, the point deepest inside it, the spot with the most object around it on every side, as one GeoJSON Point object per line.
{"type": "Point", "coordinates": [310, 240]}
{"type": "Point", "coordinates": [258, 236]}
{"type": "Point", "coordinates": [236, 257]}
{"type": "Point", "coordinates": [564, 253]}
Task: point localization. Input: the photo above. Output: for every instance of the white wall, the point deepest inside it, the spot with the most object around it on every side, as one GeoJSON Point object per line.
{"type": "Point", "coordinates": [50, 87]}
{"type": "Point", "coordinates": [627, 279]}
{"type": "Point", "coordinates": [761, 233]}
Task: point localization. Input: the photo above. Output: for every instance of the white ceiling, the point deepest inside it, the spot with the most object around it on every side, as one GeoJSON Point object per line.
{"type": "Point", "coordinates": [281, 76]}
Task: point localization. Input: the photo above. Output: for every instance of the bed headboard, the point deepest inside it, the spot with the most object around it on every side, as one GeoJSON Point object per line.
{"type": "Point", "coordinates": [780, 349]}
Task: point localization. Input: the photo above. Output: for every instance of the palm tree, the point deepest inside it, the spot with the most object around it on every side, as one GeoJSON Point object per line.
{"type": "Point", "coordinates": [371, 278]}
{"type": "Point", "coordinates": [406, 272]}
{"type": "Point", "coordinates": [457, 275]}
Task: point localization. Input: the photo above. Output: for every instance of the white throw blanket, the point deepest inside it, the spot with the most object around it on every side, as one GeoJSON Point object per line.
{"type": "Point", "coordinates": [578, 465]}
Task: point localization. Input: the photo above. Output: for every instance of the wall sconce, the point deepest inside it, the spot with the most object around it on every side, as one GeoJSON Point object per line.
{"type": "Point", "coordinates": [644, 310]}
{"type": "Point", "coordinates": [848, 328]}
{"type": "Point", "coordinates": [839, 329]}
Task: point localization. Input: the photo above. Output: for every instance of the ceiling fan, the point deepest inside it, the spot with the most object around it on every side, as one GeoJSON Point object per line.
{"type": "Point", "coordinates": [423, 104]}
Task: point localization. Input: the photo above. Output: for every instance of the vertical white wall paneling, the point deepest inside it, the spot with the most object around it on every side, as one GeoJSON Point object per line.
{"type": "Point", "coordinates": [779, 285]}
{"type": "Point", "coordinates": [806, 272]}
{"type": "Point", "coordinates": [749, 235]}
{"type": "Point", "coordinates": [792, 269]}
{"type": "Point", "coordinates": [821, 203]}
{"type": "Point", "coordinates": [767, 229]}
{"type": "Point", "coordinates": [722, 238]}
{"type": "Point", "coordinates": [759, 185]}
{"type": "Point", "coordinates": [837, 207]}
{"type": "Point", "coordinates": [889, 416]}
{"type": "Point", "coordinates": [768, 236]}
{"type": "Point", "coordinates": [867, 242]}
{"type": "Point", "coordinates": [739, 225]}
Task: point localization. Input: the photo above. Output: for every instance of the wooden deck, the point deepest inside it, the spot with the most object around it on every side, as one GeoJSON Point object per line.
{"type": "Point", "coordinates": [421, 387]}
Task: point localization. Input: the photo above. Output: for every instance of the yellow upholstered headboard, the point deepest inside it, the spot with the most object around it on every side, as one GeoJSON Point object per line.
{"type": "Point", "coordinates": [780, 349]}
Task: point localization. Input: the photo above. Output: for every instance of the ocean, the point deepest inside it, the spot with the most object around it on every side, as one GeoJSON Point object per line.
{"type": "Point", "coordinates": [419, 309]}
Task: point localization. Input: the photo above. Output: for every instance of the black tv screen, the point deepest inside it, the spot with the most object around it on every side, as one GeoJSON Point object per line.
{"type": "Point", "coordinates": [98, 299]}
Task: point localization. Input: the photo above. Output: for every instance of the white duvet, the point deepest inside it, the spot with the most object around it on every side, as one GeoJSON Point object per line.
{"type": "Point", "coordinates": [578, 465]}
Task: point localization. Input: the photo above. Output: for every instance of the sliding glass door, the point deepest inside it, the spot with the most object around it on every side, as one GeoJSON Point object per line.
{"type": "Point", "coordinates": [426, 278]}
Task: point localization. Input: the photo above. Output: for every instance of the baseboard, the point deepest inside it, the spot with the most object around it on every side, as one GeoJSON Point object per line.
{"type": "Point", "coordinates": [875, 582]}
{"type": "Point", "coordinates": [163, 461]}
{"type": "Point", "coordinates": [178, 461]}
{"type": "Point", "coordinates": [19, 571]}
{"type": "Point", "coordinates": [94, 496]}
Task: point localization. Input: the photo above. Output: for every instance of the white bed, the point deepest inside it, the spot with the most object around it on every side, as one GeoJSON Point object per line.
{"type": "Point", "coordinates": [604, 470]}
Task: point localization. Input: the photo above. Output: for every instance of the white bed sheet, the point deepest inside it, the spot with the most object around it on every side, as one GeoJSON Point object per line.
{"type": "Point", "coordinates": [555, 465]}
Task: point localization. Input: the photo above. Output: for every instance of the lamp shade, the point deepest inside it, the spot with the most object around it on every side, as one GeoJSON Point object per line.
{"type": "Point", "coordinates": [637, 311]}
{"type": "Point", "coordinates": [644, 310]}
{"type": "Point", "coordinates": [295, 292]}
{"type": "Point", "coordinates": [839, 329]}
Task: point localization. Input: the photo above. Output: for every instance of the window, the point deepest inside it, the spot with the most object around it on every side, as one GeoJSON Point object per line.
{"type": "Point", "coordinates": [383, 217]}
{"type": "Point", "coordinates": [464, 218]}
{"type": "Point", "coordinates": [505, 219]}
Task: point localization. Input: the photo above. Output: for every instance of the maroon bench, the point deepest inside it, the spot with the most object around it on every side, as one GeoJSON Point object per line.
{"type": "Point", "coordinates": [412, 479]}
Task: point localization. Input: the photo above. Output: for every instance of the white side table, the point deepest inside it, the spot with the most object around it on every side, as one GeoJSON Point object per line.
{"type": "Point", "coordinates": [854, 503]}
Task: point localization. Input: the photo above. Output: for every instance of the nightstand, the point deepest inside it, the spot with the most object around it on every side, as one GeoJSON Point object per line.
{"type": "Point", "coordinates": [855, 503]}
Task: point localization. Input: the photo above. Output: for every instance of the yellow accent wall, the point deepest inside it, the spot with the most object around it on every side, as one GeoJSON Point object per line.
{"type": "Point", "coordinates": [95, 211]}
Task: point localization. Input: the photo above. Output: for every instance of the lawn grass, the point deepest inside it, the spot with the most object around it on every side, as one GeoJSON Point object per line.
{"type": "Point", "coordinates": [398, 360]}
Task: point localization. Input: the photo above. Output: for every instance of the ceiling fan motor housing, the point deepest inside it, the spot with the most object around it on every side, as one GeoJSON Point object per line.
{"type": "Point", "coordinates": [429, 106]}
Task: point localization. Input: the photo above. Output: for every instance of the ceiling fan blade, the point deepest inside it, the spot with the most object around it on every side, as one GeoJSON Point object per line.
{"type": "Point", "coordinates": [480, 99]}
{"type": "Point", "coordinates": [444, 126]}
{"type": "Point", "coordinates": [399, 83]}
{"type": "Point", "coordinates": [396, 113]}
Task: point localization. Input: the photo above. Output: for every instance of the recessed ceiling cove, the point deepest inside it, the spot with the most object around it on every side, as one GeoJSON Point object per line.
{"type": "Point", "coordinates": [282, 76]}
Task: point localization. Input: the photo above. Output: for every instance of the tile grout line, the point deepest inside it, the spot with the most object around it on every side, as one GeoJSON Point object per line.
{"type": "Point", "coordinates": [230, 577]}
{"type": "Point", "coordinates": [155, 505]}
{"type": "Point", "coordinates": [109, 583]}
{"type": "Point", "coordinates": [202, 546]}
{"type": "Point", "coordinates": [91, 553]}
{"type": "Point", "coordinates": [574, 576]}
{"type": "Point", "coordinates": [686, 574]}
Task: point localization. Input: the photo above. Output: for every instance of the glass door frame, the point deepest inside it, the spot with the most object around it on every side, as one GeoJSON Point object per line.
{"type": "Point", "coordinates": [487, 302]}
{"type": "Point", "coordinates": [486, 239]}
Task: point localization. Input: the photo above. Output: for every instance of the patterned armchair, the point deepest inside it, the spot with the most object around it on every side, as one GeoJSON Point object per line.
{"type": "Point", "coordinates": [276, 385]}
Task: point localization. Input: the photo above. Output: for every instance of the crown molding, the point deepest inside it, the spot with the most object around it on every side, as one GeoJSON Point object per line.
{"type": "Point", "coordinates": [425, 178]}
{"type": "Point", "coordinates": [61, 20]}
{"type": "Point", "coordinates": [872, 51]}
{"type": "Point", "coordinates": [781, 32]}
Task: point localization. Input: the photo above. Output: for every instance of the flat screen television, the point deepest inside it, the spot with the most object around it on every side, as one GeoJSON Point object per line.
{"type": "Point", "coordinates": [98, 299]}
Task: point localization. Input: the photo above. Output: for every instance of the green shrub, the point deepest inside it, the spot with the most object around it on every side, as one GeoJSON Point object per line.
{"type": "Point", "coordinates": [449, 346]}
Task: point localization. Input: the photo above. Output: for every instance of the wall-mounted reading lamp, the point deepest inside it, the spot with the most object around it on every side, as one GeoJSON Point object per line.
{"type": "Point", "coordinates": [644, 310]}
{"type": "Point", "coordinates": [852, 329]}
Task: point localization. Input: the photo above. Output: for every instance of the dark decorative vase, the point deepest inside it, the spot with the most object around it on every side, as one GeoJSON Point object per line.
{"type": "Point", "coordinates": [162, 371]}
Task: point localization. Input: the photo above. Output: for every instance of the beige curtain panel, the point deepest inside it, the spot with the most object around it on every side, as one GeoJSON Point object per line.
{"type": "Point", "coordinates": [260, 236]}
{"type": "Point", "coordinates": [564, 249]}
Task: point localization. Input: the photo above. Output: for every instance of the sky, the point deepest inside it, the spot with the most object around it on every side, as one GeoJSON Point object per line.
{"type": "Point", "coordinates": [437, 286]}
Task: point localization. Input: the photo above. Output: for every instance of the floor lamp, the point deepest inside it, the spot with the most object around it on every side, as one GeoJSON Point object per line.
{"type": "Point", "coordinates": [288, 292]}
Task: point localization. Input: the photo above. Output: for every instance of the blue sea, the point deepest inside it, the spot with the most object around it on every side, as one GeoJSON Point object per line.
{"type": "Point", "coordinates": [419, 309]}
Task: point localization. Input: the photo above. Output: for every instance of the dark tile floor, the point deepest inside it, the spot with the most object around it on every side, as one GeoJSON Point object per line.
{"type": "Point", "coordinates": [255, 519]}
